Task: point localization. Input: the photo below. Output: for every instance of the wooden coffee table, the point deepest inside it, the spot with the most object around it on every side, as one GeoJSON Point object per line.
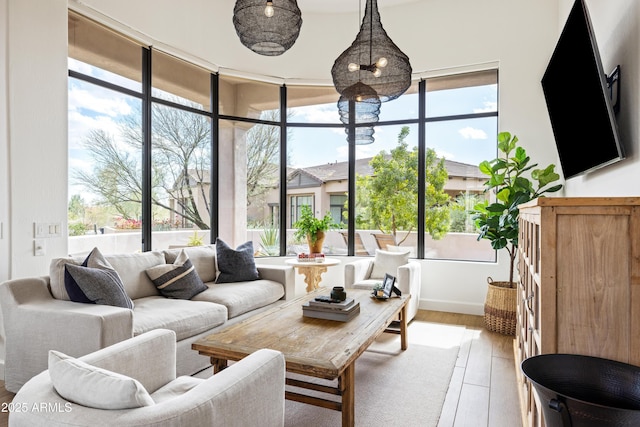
{"type": "Point", "coordinates": [312, 347]}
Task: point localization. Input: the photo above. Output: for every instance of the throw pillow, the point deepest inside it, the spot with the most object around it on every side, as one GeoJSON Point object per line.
{"type": "Point", "coordinates": [95, 259]}
{"type": "Point", "coordinates": [87, 385]}
{"type": "Point", "coordinates": [178, 280]}
{"type": "Point", "coordinates": [203, 259]}
{"type": "Point", "coordinates": [236, 265]}
{"type": "Point", "coordinates": [101, 285]}
{"type": "Point", "coordinates": [387, 262]}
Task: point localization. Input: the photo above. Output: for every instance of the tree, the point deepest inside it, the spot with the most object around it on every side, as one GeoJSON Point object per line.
{"type": "Point", "coordinates": [388, 199]}
{"type": "Point", "coordinates": [76, 208]}
{"type": "Point", "coordinates": [180, 164]}
{"type": "Point", "coordinates": [263, 158]}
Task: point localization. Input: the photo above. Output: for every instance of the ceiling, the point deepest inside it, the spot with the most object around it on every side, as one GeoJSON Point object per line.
{"type": "Point", "coordinates": [342, 6]}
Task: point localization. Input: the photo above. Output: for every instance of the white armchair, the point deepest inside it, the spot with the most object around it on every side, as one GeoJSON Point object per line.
{"type": "Point", "coordinates": [365, 273]}
{"type": "Point", "coordinates": [149, 358]}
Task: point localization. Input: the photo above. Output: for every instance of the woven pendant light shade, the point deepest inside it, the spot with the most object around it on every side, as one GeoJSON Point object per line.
{"type": "Point", "coordinates": [359, 62]}
{"type": "Point", "coordinates": [267, 35]}
{"type": "Point", "coordinates": [367, 110]}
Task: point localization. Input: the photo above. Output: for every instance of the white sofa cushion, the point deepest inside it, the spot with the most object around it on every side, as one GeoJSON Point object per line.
{"type": "Point", "coordinates": [176, 388]}
{"type": "Point", "coordinates": [387, 262]}
{"type": "Point", "coordinates": [185, 317]}
{"type": "Point", "coordinates": [241, 297]}
{"type": "Point", "coordinates": [131, 268]}
{"type": "Point", "coordinates": [94, 387]}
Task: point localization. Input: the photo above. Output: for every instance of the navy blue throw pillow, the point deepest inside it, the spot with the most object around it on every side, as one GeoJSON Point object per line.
{"type": "Point", "coordinates": [235, 265]}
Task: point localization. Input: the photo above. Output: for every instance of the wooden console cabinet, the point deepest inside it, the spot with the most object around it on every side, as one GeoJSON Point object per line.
{"type": "Point", "coordinates": [579, 285]}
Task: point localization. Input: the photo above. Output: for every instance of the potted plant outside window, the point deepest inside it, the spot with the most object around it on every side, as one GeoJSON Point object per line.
{"type": "Point", "coordinates": [311, 228]}
{"type": "Point", "coordinates": [498, 221]}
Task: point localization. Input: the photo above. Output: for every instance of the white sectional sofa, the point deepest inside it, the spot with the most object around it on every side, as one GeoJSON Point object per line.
{"type": "Point", "coordinates": [38, 315]}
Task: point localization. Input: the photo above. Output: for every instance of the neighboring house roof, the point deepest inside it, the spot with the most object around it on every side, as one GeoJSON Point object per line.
{"type": "Point", "coordinates": [340, 171]}
{"type": "Point", "coordinates": [313, 176]}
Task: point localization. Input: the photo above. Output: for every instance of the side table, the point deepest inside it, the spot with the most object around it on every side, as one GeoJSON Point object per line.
{"type": "Point", "coordinates": [312, 271]}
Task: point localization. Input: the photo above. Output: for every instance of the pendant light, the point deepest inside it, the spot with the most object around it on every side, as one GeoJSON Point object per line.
{"type": "Point", "coordinates": [367, 109]}
{"type": "Point", "coordinates": [373, 59]}
{"type": "Point", "coordinates": [268, 28]}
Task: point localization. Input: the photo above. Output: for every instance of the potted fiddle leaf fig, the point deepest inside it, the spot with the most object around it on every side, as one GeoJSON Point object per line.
{"type": "Point", "coordinates": [498, 221]}
{"type": "Point", "coordinates": [311, 228]}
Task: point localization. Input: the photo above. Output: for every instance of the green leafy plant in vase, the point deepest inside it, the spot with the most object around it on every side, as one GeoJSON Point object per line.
{"type": "Point", "coordinates": [312, 229]}
{"type": "Point", "coordinates": [498, 221]}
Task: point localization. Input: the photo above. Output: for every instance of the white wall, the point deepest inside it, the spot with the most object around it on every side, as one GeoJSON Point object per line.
{"type": "Point", "coordinates": [618, 37]}
{"type": "Point", "coordinates": [4, 168]}
{"type": "Point", "coordinates": [4, 148]}
{"type": "Point", "coordinates": [37, 123]}
{"type": "Point", "coordinates": [436, 34]}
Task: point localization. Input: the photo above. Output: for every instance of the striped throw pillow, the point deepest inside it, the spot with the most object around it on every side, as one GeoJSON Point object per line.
{"type": "Point", "coordinates": [178, 280]}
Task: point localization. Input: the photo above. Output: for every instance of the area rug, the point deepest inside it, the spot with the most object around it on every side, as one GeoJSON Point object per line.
{"type": "Point", "coordinates": [394, 387]}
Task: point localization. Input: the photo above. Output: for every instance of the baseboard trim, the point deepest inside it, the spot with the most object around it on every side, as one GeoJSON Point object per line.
{"type": "Point", "coordinates": [451, 307]}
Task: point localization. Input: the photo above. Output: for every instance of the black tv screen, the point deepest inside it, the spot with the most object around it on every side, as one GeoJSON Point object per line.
{"type": "Point", "coordinates": [579, 101]}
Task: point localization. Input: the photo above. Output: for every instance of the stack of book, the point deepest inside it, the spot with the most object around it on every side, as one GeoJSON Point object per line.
{"type": "Point", "coordinates": [322, 308]}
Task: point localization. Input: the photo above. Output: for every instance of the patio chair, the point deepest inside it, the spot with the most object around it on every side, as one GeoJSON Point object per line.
{"type": "Point", "coordinates": [359, 248]}
{"type": "Point", "coordinates": [382, 240]}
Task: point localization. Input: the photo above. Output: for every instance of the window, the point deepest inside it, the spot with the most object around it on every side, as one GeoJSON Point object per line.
{"type": "Point", "coordinates": [180, 153]}
{"type": "Point", "coordinates": [338, 208]}
{"type": "Point", "coordinates": [105, 151]}
{"type": "Point", "coordinates": [224, 158]}
{"type": "Point", "coordinates": [297, 202]}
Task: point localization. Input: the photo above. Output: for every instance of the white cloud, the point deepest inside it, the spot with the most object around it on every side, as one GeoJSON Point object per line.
{"type": "Point", "coordinates": [446, 154]}
{"type": "Point", "coordinates": [489, 106]}
{"type": "Point", "coordinates": [91, 101]}
{"type": "Point", "coordinates": [366, 151]}
{"type": "Point", "coordinates": [327, 113]}
{"type": "Point", "coordinates": [80, 125]}
{"type": "Point", "coordinates": [471, 133]}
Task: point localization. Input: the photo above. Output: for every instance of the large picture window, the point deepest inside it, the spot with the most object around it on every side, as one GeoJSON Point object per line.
{"type": "Point", "coordinates": [185, 155]}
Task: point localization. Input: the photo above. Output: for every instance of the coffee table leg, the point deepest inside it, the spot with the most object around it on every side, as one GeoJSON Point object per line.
{"type": "Point", "coordinates": [218, 364]}
{"type": "Point", "coordinates": [347, 381]}
{"type": "Point", "coordinates": [403, 328]}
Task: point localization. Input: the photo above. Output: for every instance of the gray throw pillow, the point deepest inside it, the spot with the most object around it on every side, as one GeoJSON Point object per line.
{"type": "Point", "coordinates": [100, 285]}
{"type": "Point", "coordinates": [95, 259]}
{"type": "Point", "coordinates": [178, 280]}
{"type": "Point", "coordinates": [236, 265]}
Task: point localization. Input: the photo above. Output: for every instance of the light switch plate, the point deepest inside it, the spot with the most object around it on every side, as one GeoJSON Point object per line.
{"type": "Point", "coordinates": [46, 229]}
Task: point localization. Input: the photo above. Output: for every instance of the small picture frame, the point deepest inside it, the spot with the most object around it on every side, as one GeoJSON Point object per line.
{"type": "Point", "coordinates": [387, 285]}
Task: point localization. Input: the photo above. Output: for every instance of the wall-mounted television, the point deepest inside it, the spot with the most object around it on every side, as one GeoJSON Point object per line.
{"type": "Point", "coordinates": [579, 99]}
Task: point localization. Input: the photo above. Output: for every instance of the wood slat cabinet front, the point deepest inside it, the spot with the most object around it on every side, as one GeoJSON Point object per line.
{"type": "Point", "coordinates": [579, 283]}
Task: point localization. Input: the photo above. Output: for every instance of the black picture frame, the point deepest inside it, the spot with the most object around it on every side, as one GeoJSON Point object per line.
{"type": "Point", "coordinates": [388, 284]}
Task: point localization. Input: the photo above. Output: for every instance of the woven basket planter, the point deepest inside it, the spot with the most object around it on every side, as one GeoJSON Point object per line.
{"type": "Point", "coordinates": [500, 307]}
